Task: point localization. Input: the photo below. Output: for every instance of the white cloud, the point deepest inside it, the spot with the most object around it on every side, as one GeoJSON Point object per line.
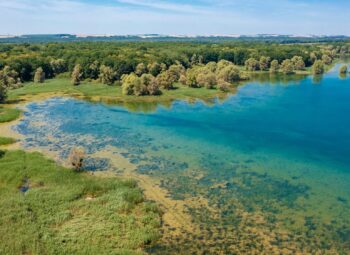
{"type": "Point", "coordinates": [165, 17]}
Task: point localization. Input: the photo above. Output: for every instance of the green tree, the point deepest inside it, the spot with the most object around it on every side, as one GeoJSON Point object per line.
{"type": "Point", "coordinates": [129, 81]}
{"type": "Point", "coordinates": [275, 66]}
{"type": "Point", "coordinates": [251, 64]}
{"type": "Point", "coordinates": [140, 69]}
{"type": "Point", "coordinates": [107, 75]}
{"type": "Point", "coordinates": [326, 59]}
{"type": "Point", "coordinates": [264, 63]}
{"type": "Point", "coordinates": [318, 67]}
{"type": "Point", "coordinates": [175, 71]}
{"type": "Point", "coordinates": [206, 79]}
{"type": "Point", "coordinates": [165, 80]}
{"type": "Point", "coordinates": [229, 74]}
{"type": "Point", "coordinates": [154, 68]}
{"type": "Point", "coordinates": [39, 76]}
{"type": "Point", "coordinates": [298, 63]}
{"type": "Point", "coordinates": [151, 85]}
{"type": "Point", "coordinates": [93, 70]}
{"type": "Point", "coordinates": [313, 57]}
{"type": "Point", "coordinates": [9, 78]}
{"type": "Point", "coordinates": [58, 66]}
{"type": "Point", "coordinates": [343, 69]}
{"type": "Point", "coordinates": [77, 75]}
{"type": "Point", "coordinates": [223, 85]}
{"type": "Point", "coordinates": [287, 66]}
{"type": "Point", "coordinates": [3, 91]}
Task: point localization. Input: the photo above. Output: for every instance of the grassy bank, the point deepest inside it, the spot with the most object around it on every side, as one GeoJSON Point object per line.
{"type": "Point", "coordinates": [8, 114]}
{"type": "Point", "coordinates": [47, 209]}
{"type": "Point", "coordinates": [6, 140]}
{"type": "Point", "coordinates": [102, 91]}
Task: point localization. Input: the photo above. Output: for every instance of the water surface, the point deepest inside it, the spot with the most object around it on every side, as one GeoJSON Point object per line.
{"type": "Point", "coordinates": [272, 162]}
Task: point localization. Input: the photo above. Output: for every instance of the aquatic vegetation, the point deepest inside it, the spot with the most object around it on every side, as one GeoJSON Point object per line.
{"type": "Point", "coordinates": [47, 209]}
{"type": "Point", "coordinates": [8, 114]}
{"type": "Point", "coordinates": [6, 140]}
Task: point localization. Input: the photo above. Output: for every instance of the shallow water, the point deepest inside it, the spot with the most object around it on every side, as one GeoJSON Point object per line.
{"type": "Point", "coordinates": [272, 162]}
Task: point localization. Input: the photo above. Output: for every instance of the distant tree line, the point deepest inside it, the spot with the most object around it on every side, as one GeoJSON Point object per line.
{"type": "Point", "coordinates": [143, 68]}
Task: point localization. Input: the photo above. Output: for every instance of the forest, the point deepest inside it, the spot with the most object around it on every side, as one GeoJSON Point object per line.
{"type": "Point", "coordinates": [146, 68]}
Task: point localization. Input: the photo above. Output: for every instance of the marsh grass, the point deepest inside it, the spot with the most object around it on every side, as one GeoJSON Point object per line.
{"type": "Point", "coordinates": [47, 209]}
{"type": "Point", "coordinates": [6, 140]}
{"type": "Point", "coordinates": [95, 89]}
{"type": "Point", "coordinates": [8, 114]}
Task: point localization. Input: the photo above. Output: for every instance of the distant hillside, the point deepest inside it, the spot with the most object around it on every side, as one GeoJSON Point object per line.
{"type": "Point", "coordinates": [157, 37]}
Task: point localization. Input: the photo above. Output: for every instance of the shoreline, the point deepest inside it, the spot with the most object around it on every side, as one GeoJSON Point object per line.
{"type": "Point", "coordinates": [175, 221]}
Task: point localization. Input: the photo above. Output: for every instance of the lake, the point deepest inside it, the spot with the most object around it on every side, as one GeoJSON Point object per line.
{"type": "Point", "coordinates": [266, 170]}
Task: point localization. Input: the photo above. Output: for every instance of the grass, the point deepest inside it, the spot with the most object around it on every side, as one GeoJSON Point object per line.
{"type": "Point", "coordinates": [47, 209]}
{"type": "Point", "coordinates": [6, 140]}
{"type": "Point", "coordinates": [8, 114]}
{"type": "Point", "coordinates": [94, 89]}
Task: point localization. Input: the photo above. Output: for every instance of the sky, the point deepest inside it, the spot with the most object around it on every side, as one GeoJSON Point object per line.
{"type": "Point", "coordinates": [175, 17]}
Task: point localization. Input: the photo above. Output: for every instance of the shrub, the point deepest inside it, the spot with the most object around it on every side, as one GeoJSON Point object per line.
{"type": "Point", "coordinates": [251, 64]}
{"type": "Point", "coordinates": [287, 66]}
{"type": "Point", "coordinates": [298, 63]}
{"type": "Point", "coordinates": [318, 67]}
{"type": "Point", "coordinates": [274, 67]}
{"type": "Point", "coordinates": [76, 158]}
{"type": "Point", "coordinates": [343, 69]}
{"type": "Point", "coordinates": [77, 75]}
{"type": "Point", "coordinates": [107, 75]}
{"type": "Point", "coordinates": [39, 76]}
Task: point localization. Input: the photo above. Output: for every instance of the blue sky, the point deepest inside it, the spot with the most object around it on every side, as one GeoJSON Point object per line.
{"type": "Point", "coordinates": [179, 17]}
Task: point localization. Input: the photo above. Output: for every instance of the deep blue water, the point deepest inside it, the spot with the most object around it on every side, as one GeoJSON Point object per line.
{"type": "Point", "coordinates": [282, 150]}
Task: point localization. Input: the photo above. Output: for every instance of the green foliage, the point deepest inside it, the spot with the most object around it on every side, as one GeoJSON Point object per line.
{"type": "Point", "coordinates": [77, 75]}
{"type": "Point", "coordinates": [327, 59]}
{"type": "Point", "coordinates": [264, 63]}
{"type": "Point", "coordinates": [6, 140]}
{"type": "Point", "coordinates": [229, 74]}
{"type": "Point", "coordinates": [165, 80]}
{"type": "Point", "coordinates": [124, 58]}
{"type": "Point", "coordinates": [107, 75]}
{"type": "Point", "coordinates": [274, 66]}
{"type": "Point", "coordinates": [9, 114]}
{"type": "Point", "coordinates": [252, 64]}
{"type": "Point", "coordinates": [287, 66]}
{"type": "Point", "coordinates": [39, 76]}
{"type": "Point", "coordinates": [140, 69]}
{"type": "Point", "coordinates": [8, 79]}
{"type": "Point", "coordinates": [47, 209]}
{"type": "Point", "coordinates": [298, 63]}
{"type": "Point", "coordinates": [140, 86]}
{"type": "Point", "coordinates": [3, 92]}
{"type": "Point", "coordinates": [58, 66]}
{"type": "Point", "coordinates": [318, 67]}
{"type": "Point", "coordinates": [343, 69]}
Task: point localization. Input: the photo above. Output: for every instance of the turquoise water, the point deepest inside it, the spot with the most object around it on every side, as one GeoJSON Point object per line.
{"type": "Point", "coordinates": [273, 160]}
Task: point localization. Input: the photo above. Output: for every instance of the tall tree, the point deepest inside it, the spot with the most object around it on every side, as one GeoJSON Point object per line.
{"type": "Point", "coordinates": [251, 64]}
{"type": "Point", "coordinates": [318, 67]}
{"type": "Point", "coordinates": [140, 69]}
{"type": "Point", "coordinates": [343, 69]}
{"type": "Point", "coordinates": [287, 66]}
{"type": "Point", "coordinates": [107, 75]}
{"type": "Point", "coordinates": [274, 67]}
{"type": "Point", "coordinates": [264, 63]}
{"type": "Point", "coordinates": [298, 63]}
{"type": "Point", "coordinates": [39, 76]}
{"type": "Point", "coordinates": [77, 75]}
